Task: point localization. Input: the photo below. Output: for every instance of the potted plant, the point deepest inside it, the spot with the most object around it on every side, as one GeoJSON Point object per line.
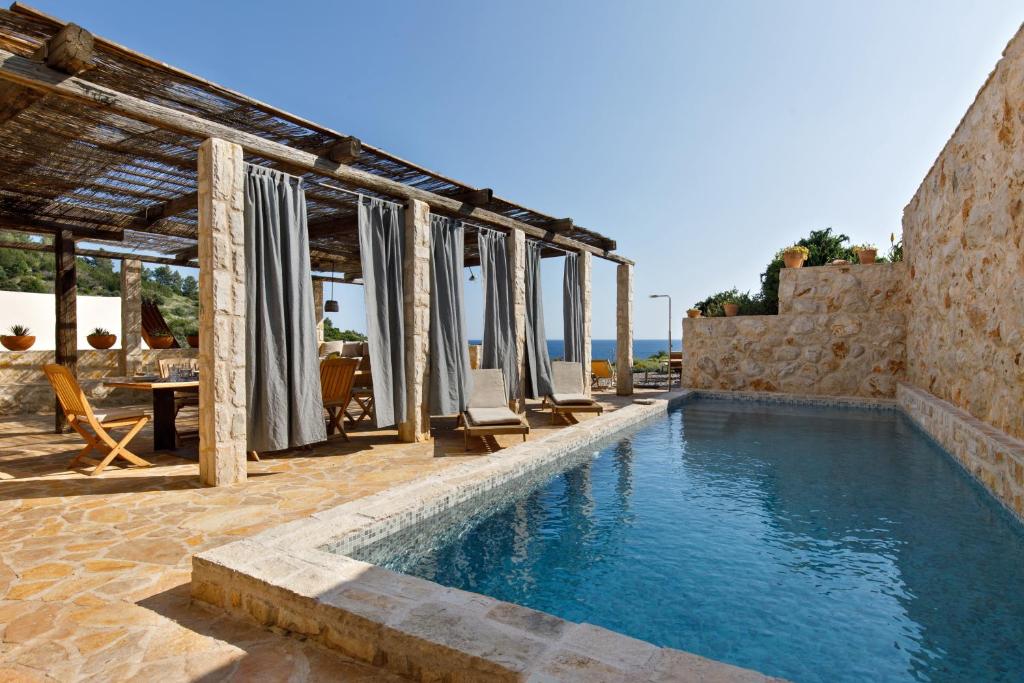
{"type": "Point", "coordinates": [101, 338]}
{"type": "Point", "coordinates": [866, 253]}
{"type": "Point", "coordinates": [161, 338]}
{"type": "Point", "coordinates": [795, 256]}
{"type": "Point", "coordinates": [731, 308]}
{"type": "Point", "coordinates": [693, 313]}
{"type": "Point", "coordinates": [19, 339]}
{"type": "Point", "coordinates": [192, 336]}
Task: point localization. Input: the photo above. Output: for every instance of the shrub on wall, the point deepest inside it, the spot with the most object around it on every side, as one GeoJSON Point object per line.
{"type": "Point", "coordinates": [749, 305]}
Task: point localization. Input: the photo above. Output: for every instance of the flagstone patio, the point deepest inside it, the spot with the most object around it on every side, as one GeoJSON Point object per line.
{"type": "Point", "coordinates": [94, 572]}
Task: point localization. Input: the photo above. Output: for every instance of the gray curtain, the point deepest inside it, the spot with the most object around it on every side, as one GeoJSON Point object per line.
{"type": "Point", "coordinates": [499, 322]}
{"type": "Point", "coordinates": [572, 309]}
{"type": "Point", "coordinates": [381, 245]}
{"type": "Point", "coordinates": [282, 364]}
{"type": "Point", "coordinates": [538, 362]}
{"type": "Point", "coordinates": [449, 347]}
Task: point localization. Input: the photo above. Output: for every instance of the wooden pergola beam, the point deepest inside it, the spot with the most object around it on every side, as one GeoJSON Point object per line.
{"type": "Point", "coordinates": [172, 207]}
{"type": "Point", "coordinates": [70, 50]}
{"type": "Point", "coordinates": [36, 225]}
{"type": "Point", "coordinates": [29, 73]}
{"type": "Point", "coordinates": [560, 225]}
{"type": "Point", "coordinates": [480, 197]}
{"type": "Point", "coordinates": [345, 151]}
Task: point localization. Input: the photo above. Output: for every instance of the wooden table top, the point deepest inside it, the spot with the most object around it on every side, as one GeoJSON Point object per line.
{"type": "Point", "coordinates": [146, 384]}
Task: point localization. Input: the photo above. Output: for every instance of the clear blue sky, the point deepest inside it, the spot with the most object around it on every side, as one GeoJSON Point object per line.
{"type": "Point", "coordinates": [702, 136]}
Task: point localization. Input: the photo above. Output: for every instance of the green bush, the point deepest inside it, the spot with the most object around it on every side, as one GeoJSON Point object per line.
{"type": "Point", "coordinates": [749, 305]}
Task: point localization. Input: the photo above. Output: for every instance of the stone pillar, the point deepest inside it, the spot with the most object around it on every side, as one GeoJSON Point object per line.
{"type": "Point", "coordinates": [416, 290]}
{"type": "Point", "coordinates": [222, 395]}
{"type": "Point", "coordinates": [585, 265]}
{"type": "Point", "coordinates": [318, 310]}
{"type": "Point", "coordinates": [131, 316]}
{"type": "Point", "coordinates": [624, 330]}
{"type": "Point", "coordinates": [517, 271]}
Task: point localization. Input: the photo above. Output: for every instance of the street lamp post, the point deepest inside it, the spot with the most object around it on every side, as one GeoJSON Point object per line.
{"type": "Point", "coordinates": [669, 359]}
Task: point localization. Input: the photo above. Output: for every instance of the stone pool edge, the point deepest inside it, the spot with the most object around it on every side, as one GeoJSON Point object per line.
{"type": "Point", "coordinates": [280, 578]}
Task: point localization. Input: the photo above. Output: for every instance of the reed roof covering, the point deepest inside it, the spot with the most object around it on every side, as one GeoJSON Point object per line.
{"type": "Point", "coordinates": [122, 181]}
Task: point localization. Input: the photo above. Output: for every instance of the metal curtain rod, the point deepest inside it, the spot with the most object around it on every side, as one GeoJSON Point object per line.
{"type": "Point", "coordinates": [478, 228]}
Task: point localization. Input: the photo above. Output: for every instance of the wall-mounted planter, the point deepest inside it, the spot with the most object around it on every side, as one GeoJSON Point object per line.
{"type": "Point", "coordinates": [794, 257]}
{"type": "Point", "coordinates": [161, 342]}
{"type": "Point", "coordinates": [101, 341]}
{"type": "Point", "coordinates": [866, 256]}
{"type": "Point", "coordinates": [21, 342]}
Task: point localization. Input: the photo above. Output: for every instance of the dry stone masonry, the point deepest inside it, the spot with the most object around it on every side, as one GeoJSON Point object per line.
{"type": "Point", "coordinates": [222, 396]}
{"type": "Point", "coordinates": [963, 233]}
{"type": "Point", "coordinates": [841, 331]}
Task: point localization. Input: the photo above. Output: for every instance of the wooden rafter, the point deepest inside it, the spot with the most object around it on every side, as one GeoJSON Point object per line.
{"type": "Point", "coordinates": [28, 73]}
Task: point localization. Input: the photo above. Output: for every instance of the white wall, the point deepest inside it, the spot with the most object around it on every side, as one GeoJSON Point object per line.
{"type": "Point", "coordinates": [38, 313]}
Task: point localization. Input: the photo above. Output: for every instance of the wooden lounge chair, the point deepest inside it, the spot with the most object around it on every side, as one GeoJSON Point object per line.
{"type": "Point", "coordinates": [488, 413]}
{"type": "Point", "coordinates": [95, 427]}
{"type": "Point", "coordinates": [568, 396]}
{"type": "Point", "coordinates": [336, 375]}
{"type": "Point", "coordinates": [601, 371]}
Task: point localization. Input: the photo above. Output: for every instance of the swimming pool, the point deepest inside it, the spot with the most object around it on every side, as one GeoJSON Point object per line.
{"type": "Point", "coordinates": [817, 544]}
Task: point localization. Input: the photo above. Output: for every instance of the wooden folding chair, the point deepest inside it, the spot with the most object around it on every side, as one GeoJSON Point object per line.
{"type": "Point", "coordinates": [336, 375]}
{"type": "Point", "coordinates": [93, 427]}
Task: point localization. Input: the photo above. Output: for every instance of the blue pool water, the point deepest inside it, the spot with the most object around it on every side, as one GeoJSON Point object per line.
{"type": "Point", "coordinates": [811, 543]}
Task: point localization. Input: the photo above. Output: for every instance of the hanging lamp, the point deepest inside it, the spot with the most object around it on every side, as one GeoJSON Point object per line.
{"type": "Point", "coordinates": [472, 275]}
{"type": "Point", "coordinates": [331, 305]}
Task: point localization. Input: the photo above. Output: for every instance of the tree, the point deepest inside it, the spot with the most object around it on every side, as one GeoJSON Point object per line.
{"type": "Point", "coordinates": [824, 247]}
{"type": "Point", "coordinates": [332, 333]}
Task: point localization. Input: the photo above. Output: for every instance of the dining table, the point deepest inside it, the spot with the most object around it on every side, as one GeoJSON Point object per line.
{"type": "Point", "coordinates": [162, 391]}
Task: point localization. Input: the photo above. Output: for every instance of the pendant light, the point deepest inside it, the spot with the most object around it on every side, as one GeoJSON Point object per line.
{"type": "Point", "coordinates": [472, 275]}
{"type": "Point", "coordinates": [331, 305]}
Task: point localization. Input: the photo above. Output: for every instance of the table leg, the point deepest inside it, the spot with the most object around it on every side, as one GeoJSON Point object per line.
{"type": "Point", "coordinates": [164, 435]}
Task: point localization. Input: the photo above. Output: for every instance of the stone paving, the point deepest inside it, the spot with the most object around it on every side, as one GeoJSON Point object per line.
{"type": "Point", "coordinates": [94, 572]}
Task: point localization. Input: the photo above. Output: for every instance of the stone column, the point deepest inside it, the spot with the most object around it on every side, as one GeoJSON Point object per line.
{"type": "Point", "coordinates": [585, 265]}
{"type": "Point", "coordinates": [624, 330]}
{"type": "Point", "coordinates": [416, 290]}
{"type": "Point", "coordinates": [318, 310]}
{"type": "Point", "coordinates": [222, 395]}
{"type": "Point", "coordinates": [131, 316]}
{"type": "Point", "coordinates": [517, 271]}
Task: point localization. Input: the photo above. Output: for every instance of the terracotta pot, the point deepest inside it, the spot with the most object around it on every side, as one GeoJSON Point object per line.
{"type": "Point", "coordinates": [18, 343]}
{"type": "Point", "coordinates": [161, 342]}
{"type": "Point", "coordinates": [193, 340]}
{"type": "Point", "coordinates": [693, 313]}
{"type": "Point", "coordinates": [793, 259]}
{"type": "Point", "coordinates": [101, 341]}
{"type": "Point", "coordinates": [866, 256]}
{"type": "Point", "coordinates": [731, 309]}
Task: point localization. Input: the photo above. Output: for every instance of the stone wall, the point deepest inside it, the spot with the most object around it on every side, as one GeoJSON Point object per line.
{"type": "Point", "coordinates": [24, 389]}
{"type": "Point", "coordinates": [963, 233]}
{"type": "Point", "coordinates": [840, 331]}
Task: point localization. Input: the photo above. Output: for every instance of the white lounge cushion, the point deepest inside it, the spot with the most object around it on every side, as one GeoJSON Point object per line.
{"type": "Point", "coordinates": [566, 378]}
{"type": "Point", "coordinates": [571, 400]}
{"type": "Point", "coordinates": [488, 389]}
{"type": "Point", "coordinates": [123, 414]}
{"type": "Point", "coordinates": [492, 416]}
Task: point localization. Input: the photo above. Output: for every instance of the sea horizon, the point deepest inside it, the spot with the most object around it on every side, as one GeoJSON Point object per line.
{"type": "Point", "coordinates": [606, 348]}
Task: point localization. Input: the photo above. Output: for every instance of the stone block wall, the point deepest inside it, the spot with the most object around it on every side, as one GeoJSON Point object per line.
{"type": "Point", "coordinates": [24, 389]}
{"type": "Point", "coordinates": [841, 331]}
{"type": "Point", "coordinates": [963, 234]}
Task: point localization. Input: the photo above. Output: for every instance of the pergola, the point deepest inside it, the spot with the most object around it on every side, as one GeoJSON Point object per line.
{"type": "Point", "coordinates": [141, 161]}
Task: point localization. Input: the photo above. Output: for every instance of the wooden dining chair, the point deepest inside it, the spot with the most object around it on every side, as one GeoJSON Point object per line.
{"type": "Point", "coordinates": [95, 427]}
{"type": "Point", "coordinates": [336, 375]}
{"type": "Point", "coordinates": [182, 399]}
